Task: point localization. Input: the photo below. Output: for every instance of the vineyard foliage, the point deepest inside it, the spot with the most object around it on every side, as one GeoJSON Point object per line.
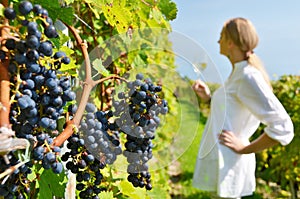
{"type": "Point", "coordinates": [281, 164]}
{"type": "Point", "coordinates": [123, 39]}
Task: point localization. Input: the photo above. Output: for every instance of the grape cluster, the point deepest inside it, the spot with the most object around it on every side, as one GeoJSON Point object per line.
{"type": "Point", "coordinates": [40, 94]}
{"type": "Point", "coordinates": [86, 167]}
{"type": "Point", "coordinates": [96, 145]}
{"type": "Point", "coordinates": [100, 135]}
{"type": "Point", "coordinates": [16, 185]}
{"type": "Point", "coordinates": [137, 116]}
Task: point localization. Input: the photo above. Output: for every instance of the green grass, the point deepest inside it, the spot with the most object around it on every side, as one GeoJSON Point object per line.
{"type": "Point", "coordinates": [192, 120]}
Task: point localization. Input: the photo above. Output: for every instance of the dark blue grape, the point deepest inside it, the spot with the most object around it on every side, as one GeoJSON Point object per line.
{"type": "Point", "coordinates": [57, 167]}
{"type": "Point", "coordinates": [66, 60]}
{"type": "Point", "coordinates": [57, 102]}
{"type": "Point", "coordinates": [57, 91]}
{"type": "Point", "coordinates": [37, 9]}
{"type": "Point", "coordinates": [46, 48]}
{"type": "Point", "coordinates": [32, 27]}
{"type": "Point", "coordinates": [69, 95]}
{"type": "Point", "coordinates": [37, 33]}
{"type": "Point", "coordinates": [139, 76]}
{"type": "Point", "coordinates": [29, 83]}
{"type": "Point", "coordinates": [32, 55]}
{"type": "Point", "coordinates": [72, 108]}
{"type": "Point", "coordinates": [33, 42]}
{"type": "Point", "coordinates": [10, 44]}
{"type": "Point", "coordinates": [39, 80]}
{"type": "Point", "coordinates": [21, 46]}
{"type": "Point", "coordinates": [12, 67]}
{"type": "Point", "coordinates": [50, 157]}
{"type": "Point", "coordinates": [59, 54]}
{"type": "Point", "coordinates": [51, 83]}
{"type": "Point", "coordinates": [38, 152]}
{"type": "Point", "coordinates": [22, 103]}
{"type": "Point", "coordinates": [10, 13]}
{"type": "Point", "coordinates": [49, 21]}
{"type": "Point", "coordinates": [44, 12]}
{"type": "Point", "coordinates": [33, 67]}
{"type": "Point", "coordinates": [25, 7]}
{"type": "Point", "coordinates": [20, 58]}
{"type": "Point", "coordinates": [50, 32]}
{"type": "Point", "coordinates": [44, 122]}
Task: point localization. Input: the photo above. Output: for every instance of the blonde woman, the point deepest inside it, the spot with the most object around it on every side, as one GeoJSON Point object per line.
{"type": "Point", "coordinates": [226, 159]}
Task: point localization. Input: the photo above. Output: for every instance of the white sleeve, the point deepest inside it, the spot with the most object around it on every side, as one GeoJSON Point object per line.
{"type": "Point", "coordinates": [256, 95]}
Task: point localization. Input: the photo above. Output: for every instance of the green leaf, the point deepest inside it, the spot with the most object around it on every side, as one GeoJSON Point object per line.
{"type": "Point", "coordinates": [68, 1]}
{"type": "Point", "coordinates": [52, 184]}
{"type": "Point", "coordinates": [127, 189]}
{"type": "Point", "coordinates": [60, 123]}
{"type": "Point", "coordinates": [61, 40]}
{"type": "Point", "coordinates": [98, 66]}
{"type": "Point", "coordinates": [138, 62]}
{"type": "Point", "coordinates": [106, 195]}
{"type": "Point", "coordinates": [56, 11]}
{"type": "Point", "coordinates": [168, 8]}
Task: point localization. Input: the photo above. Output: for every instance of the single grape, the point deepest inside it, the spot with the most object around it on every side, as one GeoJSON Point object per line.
{"type": "Point", "coordinates": [32, 42]}
{"type": "Point", "coordinates": [20, 58]}
{"type": "Point", "coordinates": [50, 32]}
{"type": "Point", "coordinates": [10, 13]}
{"type": "Point", "coordinates": [32, 27]}
{"type": "Point", "coordinates": [51, 83]}
{"type": "Point", "coordinates": [21, 46]}
{"type": "Point", "coordinates": [32, 55]}
{"type": "Point", "coordinates": [25, 7]}
{"type": "Point", "coordinates": [50, 157]}
{"type": "Point", "coordinates": [46, 48]}
{"type": "Point", "coordinates": [57, 167]}
{"type": "Point", "coordinates": [37, 9]}
{"type": "Point", "coordinates": [10, 44]}
{"type": "Point", "coordinates": [33, 67]}
{"type": "Point", "coordinates": [45, 122]}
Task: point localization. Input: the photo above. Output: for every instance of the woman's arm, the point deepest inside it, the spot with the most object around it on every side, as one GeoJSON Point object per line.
{"type": "Point", "coordinates": [229, 139]}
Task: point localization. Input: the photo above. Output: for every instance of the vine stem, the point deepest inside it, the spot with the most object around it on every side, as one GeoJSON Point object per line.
{"type": "Point", "coordinates": [89, 84]}
{"type": "Point", "coordinates": [4, 79]}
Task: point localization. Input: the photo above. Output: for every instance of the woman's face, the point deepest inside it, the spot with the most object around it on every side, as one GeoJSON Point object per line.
{"type": "Point", "coordinates": [223, 44]}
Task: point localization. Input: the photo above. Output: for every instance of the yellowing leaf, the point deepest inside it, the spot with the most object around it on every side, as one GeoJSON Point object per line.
{"type": "Point", "coordinates": [98, 66]}
{"type": "Point", "coordinates": [117, 16]}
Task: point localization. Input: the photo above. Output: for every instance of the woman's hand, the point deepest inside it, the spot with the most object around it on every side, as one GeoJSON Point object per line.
{"type": "Point", "coordinates": [202, 90]}
{"type": "Point", "coordinates": [229, 139]}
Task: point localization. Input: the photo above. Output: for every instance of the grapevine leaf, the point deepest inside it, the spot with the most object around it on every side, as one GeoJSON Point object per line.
{"type": "Point", "coordinates": [138, 62]}
{"type": "Point", "coordinates": [61, 40]}
{"type": "Point", "coordinates": [98, 2]}
{"type": "Point", "coordinates": [98, 66]}
{"type": "Point", "coordinates": [127, 189]}
{"type": "Point", "coordinates": [52, 184]}
{"type": "Point", "coordinates": [60, 124]}
{"type": "Point", "coordinates": [56, 11]}
{"type": "Point", "coordinates": [157, 15]}
{"type": "Point", "coordinates": [68, 1]}
{"type": "Point", "coordinates": [168, 9]}
{"type": "Point", "coordinates": [117, 16]}
{"type": "Point", "coordinates": [106, 195]}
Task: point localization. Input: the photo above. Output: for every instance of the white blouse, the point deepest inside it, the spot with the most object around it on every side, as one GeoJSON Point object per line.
{"type": "Point", "coordinates": [239, 106]}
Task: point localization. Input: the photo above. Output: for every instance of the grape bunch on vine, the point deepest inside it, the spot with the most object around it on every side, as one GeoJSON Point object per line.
{"type": "Point", "coordinates": [59, 133]}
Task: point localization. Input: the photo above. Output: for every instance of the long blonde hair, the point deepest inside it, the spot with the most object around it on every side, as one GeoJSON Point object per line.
{"type": "Point", "coordinates": [242, 32]}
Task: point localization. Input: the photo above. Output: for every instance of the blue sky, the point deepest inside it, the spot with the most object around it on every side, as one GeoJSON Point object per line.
{"type": "Point", "coordinates": [277, 24]}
